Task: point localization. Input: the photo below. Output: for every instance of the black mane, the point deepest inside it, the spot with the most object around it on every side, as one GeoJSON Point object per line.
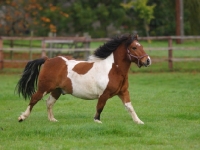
{"type": "Point", "coordinates": [105, 50]}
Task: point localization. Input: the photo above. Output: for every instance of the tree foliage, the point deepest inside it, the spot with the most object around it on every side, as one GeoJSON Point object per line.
{"type": "Point", "coordinates": [192, 17]}
{"type": "Point", "coordinates": [144, 11]}
{"type": "Point", "coordinates": [164, 18]}
{"type": "Point", "coordinates": [19, 17]}
{"type": "Point", "coordinates": [98, 18]}
{"type": "Point", "coordinates": [95, 16]}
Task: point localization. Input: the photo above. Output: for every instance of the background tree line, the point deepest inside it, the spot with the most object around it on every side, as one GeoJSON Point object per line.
{"type": "Point", "coordinates": [98, 18]}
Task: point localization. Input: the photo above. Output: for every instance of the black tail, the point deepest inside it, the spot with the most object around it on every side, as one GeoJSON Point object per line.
{"type": "Point", "coordinates": [26, 86]}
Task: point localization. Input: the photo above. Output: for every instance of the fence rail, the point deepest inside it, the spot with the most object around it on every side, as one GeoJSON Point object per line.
{"type": "Point", "coordinates": [85, 47]}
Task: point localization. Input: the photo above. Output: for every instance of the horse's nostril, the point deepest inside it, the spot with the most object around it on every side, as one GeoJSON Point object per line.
{"type": "Point", "coordinates": [148, 61]}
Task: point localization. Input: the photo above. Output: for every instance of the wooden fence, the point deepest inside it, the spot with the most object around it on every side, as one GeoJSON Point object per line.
{"type": "Point", "coordinates": [82, 44]}
{"type": "Point", "coordinates": [48, 45]}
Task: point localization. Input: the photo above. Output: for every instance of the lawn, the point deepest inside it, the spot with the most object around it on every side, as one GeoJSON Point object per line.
{"type": "Point", "coordinates": [168, 103]}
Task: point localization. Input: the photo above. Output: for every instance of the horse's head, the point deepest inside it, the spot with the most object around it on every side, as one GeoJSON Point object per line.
{"type": "Point", "coordinates": [136, 52]}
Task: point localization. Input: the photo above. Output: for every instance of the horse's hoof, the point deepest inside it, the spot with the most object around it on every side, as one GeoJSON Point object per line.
{"type": "Point", "coordinates": [98, 121]}
{"type": "Point", "coordinates": [20, 119]}
{"type": "Point", "coordinates": [139, 122]}
{"type": "Point", "coordinates": [53, 120]}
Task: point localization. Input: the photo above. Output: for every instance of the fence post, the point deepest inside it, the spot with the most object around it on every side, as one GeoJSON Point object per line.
{"type": "Point", "coordinates": [1, 53]}
{"type": "Point", "coordinates": [170, 54]}
{"type": "Point", "coordinates": [43, 48]}
{"type": "Point", "coordinates": [30, 49]}
{"type": "Point", "coordinates": [87, 46]}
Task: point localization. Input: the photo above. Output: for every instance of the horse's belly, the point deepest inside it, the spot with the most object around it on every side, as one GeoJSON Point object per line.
{"type": "Point", "coordinates": [85, 95]}
{"type": "Point", "coordinates": [87, 89]}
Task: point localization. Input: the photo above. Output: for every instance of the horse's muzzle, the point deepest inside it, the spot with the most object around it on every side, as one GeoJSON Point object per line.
{"type": "Point", "coordinates": [147, 62]}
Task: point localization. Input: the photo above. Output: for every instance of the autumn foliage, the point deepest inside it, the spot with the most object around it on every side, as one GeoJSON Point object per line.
{"type": "Point", "coordinates": [20, 17]}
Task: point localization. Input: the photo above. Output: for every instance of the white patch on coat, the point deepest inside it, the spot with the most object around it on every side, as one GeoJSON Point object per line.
{"type": "Point", "coordinates": [149, 60]}
{"type": "Point", "coordinates": [93, 58]}
{"type": "Point", "coordinates": [92, 84]}
{"type": "Point", "coordinates": [44, 93]}
{"type": "Point", "coordinates": [50, 102]}
{"type": "Point", "coordinates": [138, 44]}
{"type": "Point", "coordinates": [25, 114]}
{"type": "Point", "coordinates": [132, 112]}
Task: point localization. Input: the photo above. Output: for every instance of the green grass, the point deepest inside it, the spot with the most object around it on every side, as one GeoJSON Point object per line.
{"type": "Point", "coordinates": [23, 43]}
{"type": "Point", "coordinates": [168, 103]}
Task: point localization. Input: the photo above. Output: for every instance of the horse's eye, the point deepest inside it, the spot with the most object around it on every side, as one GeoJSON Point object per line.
{"type": "Point", "coordinates": [134, 48]}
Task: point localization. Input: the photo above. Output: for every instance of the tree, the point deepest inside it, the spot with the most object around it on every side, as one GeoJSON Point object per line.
{"type": "Point", "coordinates": [164, 18]}
{"type": "Point", "coordinates": [12, 18]}
{"type": "Point", "coordinates": [192, 17]}
{"type": "Point", "coordinates": [18, 17]}
{"type": "Point", "coordinates": [95, 16]}
{"type": "Point", "coordinates": [99, 18]}
{"type": "Point", "coordinates": [144, 11]}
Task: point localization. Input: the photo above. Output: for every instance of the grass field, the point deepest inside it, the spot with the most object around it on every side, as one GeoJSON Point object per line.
{"type": "Point", "coordinates": [168, 103]}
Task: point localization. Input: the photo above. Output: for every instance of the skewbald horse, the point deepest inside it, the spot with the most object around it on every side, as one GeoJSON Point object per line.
{"type": "Point", "coordinates": [103, 76]}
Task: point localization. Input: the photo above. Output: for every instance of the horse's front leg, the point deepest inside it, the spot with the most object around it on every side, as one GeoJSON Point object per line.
{"type": "Point", "coordinates": [126, 101]}
{"type": "Point", "coordinates": [99, 108]}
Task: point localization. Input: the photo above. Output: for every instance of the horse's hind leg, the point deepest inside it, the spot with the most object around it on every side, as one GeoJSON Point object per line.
{"type": "Point", "coordinates": [34, 99]}
{"type": "Point", "coordinates": [50, 102]}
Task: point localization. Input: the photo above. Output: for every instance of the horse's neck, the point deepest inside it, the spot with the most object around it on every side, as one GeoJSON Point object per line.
{"type": "Point", "coordinates": [121, 59]}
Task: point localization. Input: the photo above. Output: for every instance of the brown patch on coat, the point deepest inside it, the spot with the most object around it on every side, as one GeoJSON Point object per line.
{"type": "Point", "coordinates": [82, 67]}
{"type": "Point", "coordinates": [53, 76]}
{"type": "Point", "coordinates": [116, 80]}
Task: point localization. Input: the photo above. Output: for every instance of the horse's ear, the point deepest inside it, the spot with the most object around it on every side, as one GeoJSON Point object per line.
{"type": "Point", "coordinates": [136, 36]}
